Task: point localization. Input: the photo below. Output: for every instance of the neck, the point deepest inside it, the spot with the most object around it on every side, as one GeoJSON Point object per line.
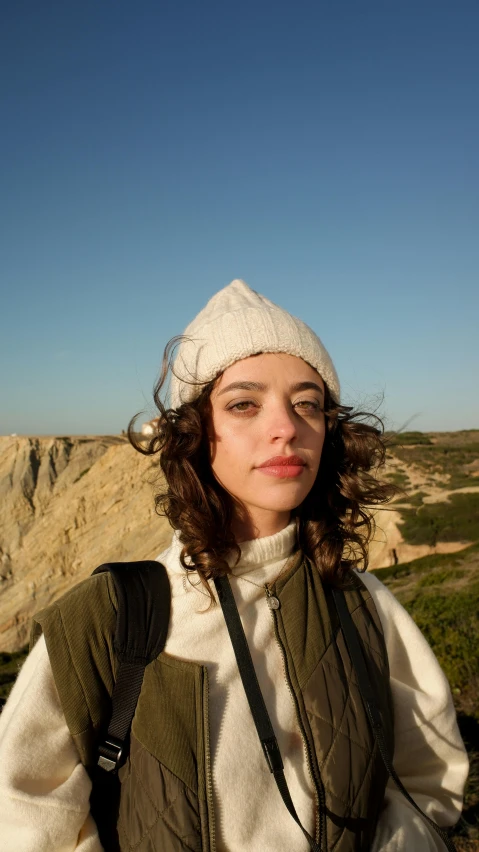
{"type": "Point", "coordinates": [259, 524]}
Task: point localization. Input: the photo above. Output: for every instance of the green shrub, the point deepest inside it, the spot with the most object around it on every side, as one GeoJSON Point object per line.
{"type": "Point", "coordinates": [439, 577]}
{"type": "Point", "coordinates": [425, 564]}
{"type": "Point", "coordinates": [450, 623]}
{"type": "Point", "coordinates": [416, 499]}
{"type": "Point", "coordinates": [447, 612]}
{"type": "Point", "coordinates": [397, 477]}
{"type": "Point", "coordinates": [454, 520]}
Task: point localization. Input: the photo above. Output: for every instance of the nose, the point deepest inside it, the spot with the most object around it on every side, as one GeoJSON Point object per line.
{"type": "Point", "coordinates": [282, 424]}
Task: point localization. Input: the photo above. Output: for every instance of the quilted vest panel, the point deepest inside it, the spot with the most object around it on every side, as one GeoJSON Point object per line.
{"type": "Point", "coordinates": [157, 810]}
{"type": "Point", "coordinates": [346, 765]}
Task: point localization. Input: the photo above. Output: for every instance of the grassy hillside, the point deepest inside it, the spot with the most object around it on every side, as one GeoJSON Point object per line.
{"type": "Point", "coordinates": [430, 523]}
{"type": "Point", "coordinates": [448, 457]}
{"type": "Point", "coordinates": [441, 592]}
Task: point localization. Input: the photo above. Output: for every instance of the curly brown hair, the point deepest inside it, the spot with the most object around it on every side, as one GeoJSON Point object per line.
{"type": "Point", "coordinates": [335, 522]}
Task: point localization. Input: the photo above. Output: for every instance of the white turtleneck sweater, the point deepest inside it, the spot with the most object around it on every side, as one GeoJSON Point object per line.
{"type": "Point", "coordinates": [44, 789]}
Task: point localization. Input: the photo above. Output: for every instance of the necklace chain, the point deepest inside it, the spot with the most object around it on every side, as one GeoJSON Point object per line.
{"type": "Point", "coordinates": [261, 585]}
{"type": "Point", "coordinates": [258, 585]}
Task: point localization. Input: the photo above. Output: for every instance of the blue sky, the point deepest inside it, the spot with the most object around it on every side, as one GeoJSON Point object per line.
{"type": "Point", "coordinates": [326, 152]}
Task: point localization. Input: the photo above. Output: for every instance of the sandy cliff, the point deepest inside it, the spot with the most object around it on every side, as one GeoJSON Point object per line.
{"type": "Point", "coordinates": [66, 506]}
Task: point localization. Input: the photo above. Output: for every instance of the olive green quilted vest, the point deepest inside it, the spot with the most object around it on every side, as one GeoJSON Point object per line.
{"type": "Point", "coordinates": [166, 801]}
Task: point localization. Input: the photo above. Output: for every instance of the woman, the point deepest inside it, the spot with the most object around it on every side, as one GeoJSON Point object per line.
{"type": "Point", "coordinates": [268, 479]}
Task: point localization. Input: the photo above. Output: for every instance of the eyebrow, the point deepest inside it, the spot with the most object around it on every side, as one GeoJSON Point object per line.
{"type": "Point", "coordinates": [260, 386]}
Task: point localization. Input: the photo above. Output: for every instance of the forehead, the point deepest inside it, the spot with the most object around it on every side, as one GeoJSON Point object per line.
{"type": "Point", "coordinates": [270, 367]}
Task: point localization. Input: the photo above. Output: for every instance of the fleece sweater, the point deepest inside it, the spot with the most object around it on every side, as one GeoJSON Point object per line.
{"type": "Point", "coordinates": [44, 789]}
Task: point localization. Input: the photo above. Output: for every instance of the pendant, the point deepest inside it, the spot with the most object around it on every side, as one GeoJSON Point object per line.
{"type": "Point", "coordinates": [273, 602]}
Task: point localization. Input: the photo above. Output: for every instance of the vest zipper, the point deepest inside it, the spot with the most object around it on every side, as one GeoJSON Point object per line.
{"type": "Point", "coordinates": [317, 785]}
{"type": "Point", "coordinates": [208, 770]}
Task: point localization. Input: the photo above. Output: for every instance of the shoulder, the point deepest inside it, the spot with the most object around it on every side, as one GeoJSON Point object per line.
{"type": "Point", "coordinates": [400, 631]}
{"type": "Point", "coordinates": [398, 626]}
{"type": "Point", "coordinates": [84, 617]}
{"type": "Point", "coordinates": [389, 609]}
{"type": "Point", "coordinates": [417, 679]}
{"type": "Point", "coordinates": [79, 630]}
{"type": "Point", "coordinates": [95, 593]}
{"type": "Point", "coordinates": [382, 597]}
{"type": "Point", "coordinates": [81, 615]}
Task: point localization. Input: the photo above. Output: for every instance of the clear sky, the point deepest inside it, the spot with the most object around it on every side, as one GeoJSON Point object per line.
{"type": "Point", "coordinates": [324, 151]}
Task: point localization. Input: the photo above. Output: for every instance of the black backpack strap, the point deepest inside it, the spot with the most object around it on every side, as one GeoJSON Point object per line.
{"type": "Point", "coordinates": [353, 645]}
{"type": "Point", "coordinates": [255, 698]}
{"type": "Point", "coordinates": [144, 600]}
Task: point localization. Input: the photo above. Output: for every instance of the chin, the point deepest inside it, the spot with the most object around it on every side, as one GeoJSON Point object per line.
{"type": "Point", "coordinates": [286, 502]}
{"type": "Point", "coordinates": [277, 506]}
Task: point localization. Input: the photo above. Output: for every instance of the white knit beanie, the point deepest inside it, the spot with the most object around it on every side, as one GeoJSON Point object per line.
{"type": "Point", "coordinates": [238, 322]}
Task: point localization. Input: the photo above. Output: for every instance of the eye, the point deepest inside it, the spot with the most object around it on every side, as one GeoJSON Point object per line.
{"type": "Point", "coordinates": [241, 407]}
{"type": "Point", "coordinates": [308, 405]}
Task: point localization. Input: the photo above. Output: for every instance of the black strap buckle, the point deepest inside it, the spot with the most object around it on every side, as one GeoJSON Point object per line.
{"type": "Point", "coordinates": [272, 754]}
{"type": "Point", "coordinates": [110, 752]}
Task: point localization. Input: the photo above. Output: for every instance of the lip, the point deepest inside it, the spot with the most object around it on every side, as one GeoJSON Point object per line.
{"type": "Point", "coordinates": [284, 467]}
{"type": "Point", "coordinates": [286, 461]}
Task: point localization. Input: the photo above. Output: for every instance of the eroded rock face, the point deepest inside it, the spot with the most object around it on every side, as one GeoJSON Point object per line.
{"type": "Point", "coordinates": [66, 506]}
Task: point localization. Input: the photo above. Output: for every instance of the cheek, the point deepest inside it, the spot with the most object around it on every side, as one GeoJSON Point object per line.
{"type": "Point", "coordinates": [315, 440]}
{"type": "Point", "coordinates": [231, 447]}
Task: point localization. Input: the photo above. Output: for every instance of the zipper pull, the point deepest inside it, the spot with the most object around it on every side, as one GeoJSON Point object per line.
{"type": "Point", "coordinates": [271, 600]}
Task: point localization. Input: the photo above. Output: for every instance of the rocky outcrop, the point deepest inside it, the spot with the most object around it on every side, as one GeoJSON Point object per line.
{"type": "Point", "coordinates": [66, 506]}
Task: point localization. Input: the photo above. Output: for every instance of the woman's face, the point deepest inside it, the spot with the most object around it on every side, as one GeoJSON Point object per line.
{"type": "Point", "coordinates": [266, 436]}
